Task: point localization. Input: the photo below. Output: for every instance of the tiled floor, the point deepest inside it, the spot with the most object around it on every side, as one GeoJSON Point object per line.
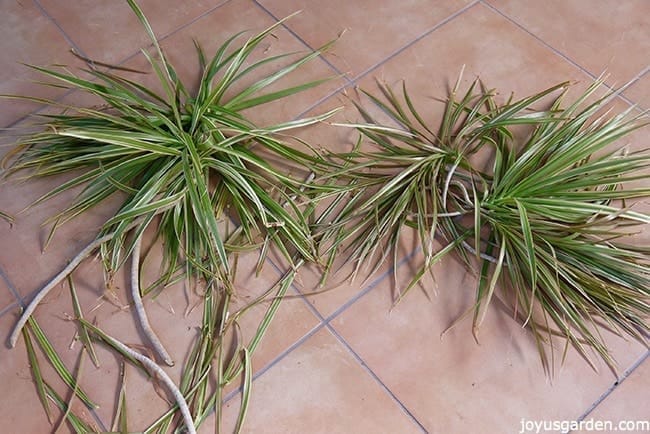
{"type": "Point", "coordinates": [341, 362]}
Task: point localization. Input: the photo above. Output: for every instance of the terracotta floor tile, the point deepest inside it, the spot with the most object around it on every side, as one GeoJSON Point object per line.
{"type": "Point", "coordinates": [323, 390]}
{"type": "Point", "coordinates": [446, 382]}
{"type": "Point", "coordinates": [27, 36]}
{"type": "Point", "coordinates": [627, 403]}
{"type": "Point", "coordinates": [488, 46]}
{"type": "Point", "coordinates": [109, 32]}
{"type": "Point", "coordinates": [372, 31]}
{"type": "Point", "coordinates": [597, 35]}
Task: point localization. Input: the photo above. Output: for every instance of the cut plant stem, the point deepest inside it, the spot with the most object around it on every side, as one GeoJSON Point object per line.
{"type": "Point", "coordinates": [139, 307]}
{"type": "Point", "coordinates": [42, 293]}
{"type": "Point", "coordinates": [157, 371]}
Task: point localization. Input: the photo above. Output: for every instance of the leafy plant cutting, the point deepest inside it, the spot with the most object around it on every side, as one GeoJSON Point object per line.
{"type": "Point", "coordinates": [549, 220]}
{"type": "Point", "coordinates": [186, 162]}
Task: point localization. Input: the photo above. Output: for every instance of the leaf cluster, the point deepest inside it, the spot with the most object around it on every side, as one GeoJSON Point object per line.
{"type": "Point", "coordinates": [548, 220]}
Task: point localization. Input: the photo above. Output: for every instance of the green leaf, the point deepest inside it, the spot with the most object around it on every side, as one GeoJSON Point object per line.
{"type": "Point", "coordinates": [58, 365]}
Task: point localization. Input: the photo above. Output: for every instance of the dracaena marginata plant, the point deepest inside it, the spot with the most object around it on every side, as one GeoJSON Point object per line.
{"type": "Point", "coordinates": [184, 161]}
{"type": "Point", "coordinates": [544, 226]}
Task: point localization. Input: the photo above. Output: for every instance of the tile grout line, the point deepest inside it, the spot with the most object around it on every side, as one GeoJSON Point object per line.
{"type": "Point", "coordinates": [70, 42]}
{"type": "Point", "coordinates": [372, 285]}
{"type": "Point", "coordinates": [416, 40]}
{"type": "Point", "coordinates": [539, 39]}
{"type": "Point", "coordinates": [352, 82]}
{"type": "Point", "coordinates": [564, 56]}
{"type": "Point", "coordinates": [68, 39]}
{"type": "Point", "coordinates": [174, 31]}
{"type": "Point", "coordinates": [366, 289]}
{"type": "Point", "coordinates": [614, 386]}
{"type": "Point", "coordinates": [378, 380]}
{"type": "Point", "coordinates": [3, 275]}
{"type": "Point", "coordinates": [8, 308]}
{"type": "Point", "coordinates": [159, 38]}
{"type": "Point", "coordinates": [325, 323]}
{"type": "Point", "coordinates": [18, 302]}
{"type": "Point", "coordinates": [278, 358]}
{"type": "Point", "coordinates": [635, 80]}
{"type": "Point", "coordinates": [302, 41]}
